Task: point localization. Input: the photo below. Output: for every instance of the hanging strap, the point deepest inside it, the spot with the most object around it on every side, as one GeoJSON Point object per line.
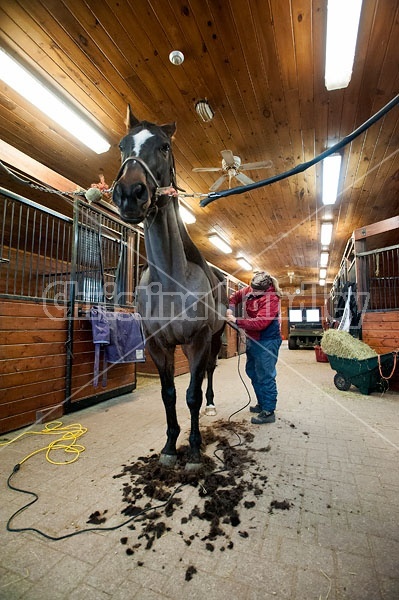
{"type": "Point", "coordinates": [395, 354]}
{"type": "Point", "coordinates": [97, 348]}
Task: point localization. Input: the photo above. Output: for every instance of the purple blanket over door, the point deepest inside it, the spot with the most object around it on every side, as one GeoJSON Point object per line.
{"type": "Point", "coordinates": [121, 336]}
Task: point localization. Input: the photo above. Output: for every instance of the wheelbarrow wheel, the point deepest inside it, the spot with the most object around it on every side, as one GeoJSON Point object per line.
{"type": "Point", "coordinates": [382, 386]}
{"type": "Point", "coordinates": [341, 382]}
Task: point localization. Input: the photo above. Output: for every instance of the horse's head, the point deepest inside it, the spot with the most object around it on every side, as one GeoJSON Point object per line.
{"type": "Point", "coordinates": [147, 164]}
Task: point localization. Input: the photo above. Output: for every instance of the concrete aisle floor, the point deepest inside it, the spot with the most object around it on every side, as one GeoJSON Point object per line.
{"type": "Point", "coordinates": [333, 458]}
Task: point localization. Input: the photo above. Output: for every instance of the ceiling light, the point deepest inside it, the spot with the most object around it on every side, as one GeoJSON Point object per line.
{"type": "Point", "coordinates": [331, 170]}
{"type": "Point", "coordinates": [326, 233]}
{"type": "Point", "coordinates": [176, 57]}
{"type": "Point", "coordinates": [219, 243]}
{"type": "Point", "coordinates": [21, 80]}
{"type": "Point", "coordinates": [187, 216]}
{"type": "Point", "coordinates": [323, 273]}
{"type": "Point", "coordinates": [342, 26]}
{"type": "Point", "coordinates": [324, 259]}
{"type": "Point", "coordinates": [203, 108]}
{"type": "Point", "coordinates": [322, 282]}
{"type": "Point", "coordinates": [244, 263]}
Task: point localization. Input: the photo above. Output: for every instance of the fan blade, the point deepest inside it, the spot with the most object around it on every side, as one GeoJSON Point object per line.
{"type": "Point", "coordinates": [243, 178]}
{"type": "Point", "coordinates": [215, 186]}
{"type": "Point", "coordinates": [264, 164]}
{"type": "Point", "coordinates": [228, 157]}
{"type": "Point", "coordinates": [203, 169]}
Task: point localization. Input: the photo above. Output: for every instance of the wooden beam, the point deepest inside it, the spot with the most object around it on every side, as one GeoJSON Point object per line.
{"type": "Point", "coordinates": [28, 165]}
{"type": "Point", "coordinates": [376, 228]}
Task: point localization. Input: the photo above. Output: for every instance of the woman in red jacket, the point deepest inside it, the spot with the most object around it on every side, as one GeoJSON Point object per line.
{"type": "Point", "coordinates": [261, 323]}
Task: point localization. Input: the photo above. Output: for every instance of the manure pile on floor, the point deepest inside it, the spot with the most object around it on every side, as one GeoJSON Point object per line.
{"type": "Point", "coordinates": [224, 486]}
{"type": "Point", "coordinates": [342, 344]}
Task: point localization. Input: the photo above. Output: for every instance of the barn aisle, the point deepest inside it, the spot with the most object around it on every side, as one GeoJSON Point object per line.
{"type": "Point", "coordinates": [318, 517]}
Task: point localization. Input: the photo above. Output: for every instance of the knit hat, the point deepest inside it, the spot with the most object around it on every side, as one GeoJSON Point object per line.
{"type": "Point", "coordinates": [261, 281]}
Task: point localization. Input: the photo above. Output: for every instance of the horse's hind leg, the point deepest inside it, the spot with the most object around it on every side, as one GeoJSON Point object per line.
{"type": "Point", "coordinates": [210, 409]}
{"type": "Point", "coordinates": [164, 361]}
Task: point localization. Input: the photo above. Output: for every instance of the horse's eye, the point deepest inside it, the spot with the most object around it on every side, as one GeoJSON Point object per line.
{"type": "Point", "coordinates": [165, 148]}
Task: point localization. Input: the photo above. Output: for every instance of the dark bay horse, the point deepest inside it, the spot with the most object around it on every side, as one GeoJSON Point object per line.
{"type": "Point", "coordinates": [181, 300]}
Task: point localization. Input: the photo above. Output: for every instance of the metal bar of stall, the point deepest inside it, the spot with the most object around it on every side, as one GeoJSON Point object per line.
{"type": "Point", "coordinates": [17, 249]}
{"type": "Point", "coordinates": [10, 246]}
{"type": "Point", "coordinates": [28, 202]}
{"type": "Point", "coordinates": [24, 256]}
{"type": "Point", "coordinates": [43, 249]}
{"type": "Point", "coordinates": [385, 281]}
{"type": "Point", "coordinates": [31, 252]}
{"type": "Point", "coordinates": [380, 268]}
{"type": "Point", "coordinates": [71, 308]}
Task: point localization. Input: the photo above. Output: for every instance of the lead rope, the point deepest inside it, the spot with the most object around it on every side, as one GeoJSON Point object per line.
{"type": "Point", "coordinates": [81, 192]}
{"type": "Point", "coordinates": [386, 377]}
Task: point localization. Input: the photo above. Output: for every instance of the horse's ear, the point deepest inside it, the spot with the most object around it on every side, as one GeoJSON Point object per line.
{"type": "Point", "coordinates": [169, 129]}
{"type": "Point", "coordinates": [131, 120]}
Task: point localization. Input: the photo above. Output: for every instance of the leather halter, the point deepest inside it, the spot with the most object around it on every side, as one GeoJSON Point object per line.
{"type": "Point", "coordinates": [159, 191]}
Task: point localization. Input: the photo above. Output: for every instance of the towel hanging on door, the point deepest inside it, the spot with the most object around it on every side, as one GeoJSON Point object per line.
{"type": "Point", "coordinates": [120, 334]}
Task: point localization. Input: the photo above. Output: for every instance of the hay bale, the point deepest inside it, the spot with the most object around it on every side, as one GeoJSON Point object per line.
{"type": "Point", "coordinates": [340, 343]}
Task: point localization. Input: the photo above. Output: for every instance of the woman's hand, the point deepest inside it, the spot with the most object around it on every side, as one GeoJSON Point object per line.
{"type": "Point", "coordinates": [229, 316]}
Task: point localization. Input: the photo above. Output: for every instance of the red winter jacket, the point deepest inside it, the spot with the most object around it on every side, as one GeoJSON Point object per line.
{"type": "Point", "coordinates": [261, 312]}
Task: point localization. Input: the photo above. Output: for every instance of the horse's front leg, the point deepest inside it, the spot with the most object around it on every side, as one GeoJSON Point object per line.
{"type": "Point", "coordinates": [164, 361]}
{"type": "Point", "coordinates": [198, 354]}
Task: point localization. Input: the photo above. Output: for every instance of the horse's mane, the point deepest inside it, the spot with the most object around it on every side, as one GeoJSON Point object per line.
{"type": "Point", "coordinates": [190, 249]}
{"type": "Point", "coordinates": [194, 255]}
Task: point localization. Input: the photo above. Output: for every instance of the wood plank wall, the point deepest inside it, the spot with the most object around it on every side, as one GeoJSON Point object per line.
{"type": "Point", "coordinates": [32, 363]}
{"type": "Point", "coordinates": [381, 332]}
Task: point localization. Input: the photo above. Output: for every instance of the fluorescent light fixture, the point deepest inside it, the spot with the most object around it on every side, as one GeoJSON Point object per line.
{"type": "Point", "coordinates": [323, 273]}
{"type": "Point", "coordinates": [324, 256]}
{"type": "Point", "coordinates": [25, 84]}
{"type": "Point", "coordinates": [219, 243]}
{"type": "Point", "coordinates": [244, 263]}
{"type": "Point", "coordinates": [326, 233]}
{"type": "Point", "coordinates": [331, 171]}
{"type": "Point", "coordinates": [342, 26]}
{"type": "Point", "coordinates": [187, 216]}
{"type": "Point", "coordinates": [204, 110]}
{"type": "Point", "coordinates": [322, 282]}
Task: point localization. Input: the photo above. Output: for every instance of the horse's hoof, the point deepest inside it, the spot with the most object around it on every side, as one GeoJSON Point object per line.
{"type": "Point", "coordinates": [193, 467]}
{"type": "Point", "coordinates": [210, 410]}
{"type": "Point", "coordinates": [168, 460]}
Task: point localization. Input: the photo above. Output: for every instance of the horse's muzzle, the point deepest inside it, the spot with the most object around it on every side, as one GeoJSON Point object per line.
{"type": "Point", "coordinates": [133, 201]}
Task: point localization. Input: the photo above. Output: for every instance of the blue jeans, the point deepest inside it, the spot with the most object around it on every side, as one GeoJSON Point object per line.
{"type": "Point", "coordinates": [260, 367]}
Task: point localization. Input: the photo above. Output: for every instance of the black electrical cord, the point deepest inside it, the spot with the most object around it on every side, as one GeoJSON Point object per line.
{"type": "Point", "coordinates": [74, 533]}
{"type": "Point", "coordinates": [237, 329]}
{"type": "Point", "coordinates": [144, 511]}
{"type": "Point", "coordinates": [303, 166]}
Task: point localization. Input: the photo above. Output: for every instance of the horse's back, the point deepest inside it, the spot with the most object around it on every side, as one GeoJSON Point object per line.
{"type": "Point", "coordinates": [179, 310]}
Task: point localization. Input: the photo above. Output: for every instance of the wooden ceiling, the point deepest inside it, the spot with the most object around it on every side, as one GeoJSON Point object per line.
{"type": "Point", "coordinates": [260, 64]}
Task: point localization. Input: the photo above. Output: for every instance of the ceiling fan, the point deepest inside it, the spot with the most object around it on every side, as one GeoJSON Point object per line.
{"type": "Point", "coordinates": [292, 277]}
{"type": "Point", "coordinates": [232, 167]}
